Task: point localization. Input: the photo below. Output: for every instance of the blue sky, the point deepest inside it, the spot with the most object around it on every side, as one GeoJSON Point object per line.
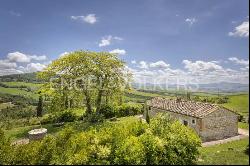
{"type": "Point", "coordinates": [155, 37]}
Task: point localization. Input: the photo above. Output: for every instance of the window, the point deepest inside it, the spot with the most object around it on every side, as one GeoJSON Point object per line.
{"type": "Point", "coordinates": [193, 121]}
{"type": "Point", "coordinates": [185, 122]}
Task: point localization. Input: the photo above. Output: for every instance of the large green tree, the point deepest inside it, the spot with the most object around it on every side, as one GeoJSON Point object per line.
{"type": "Point", "coordinates": [94, 75]}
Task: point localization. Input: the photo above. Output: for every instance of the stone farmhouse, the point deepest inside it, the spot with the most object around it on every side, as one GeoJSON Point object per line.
{"type": "Point", "coordinates": [210, 121]}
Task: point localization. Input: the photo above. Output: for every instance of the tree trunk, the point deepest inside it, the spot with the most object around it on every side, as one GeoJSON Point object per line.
{"type": "Point", "coordinates": [100, 94]}
{"type": "Point", "coordinates": [66, 102]}
{"type": "Point", "coordinates": [88, 103]}
{"type": "Point", "coordinates": [71, 103]}
{"type": "Point", "coordinates": [99, 100]}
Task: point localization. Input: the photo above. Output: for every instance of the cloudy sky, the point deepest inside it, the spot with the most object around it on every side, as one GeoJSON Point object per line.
{"type": "Point", "coordinates": [160, 40]}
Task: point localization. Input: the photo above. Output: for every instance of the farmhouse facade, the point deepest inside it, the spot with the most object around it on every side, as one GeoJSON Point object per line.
{"type": "Point", "coordinates": [210, 121]}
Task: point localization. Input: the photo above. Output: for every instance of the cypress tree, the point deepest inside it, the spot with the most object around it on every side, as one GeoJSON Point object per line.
{"type": "Point", "coordinates": [147, 115]}
{"type": "Point", "coordinates": [39, 108]}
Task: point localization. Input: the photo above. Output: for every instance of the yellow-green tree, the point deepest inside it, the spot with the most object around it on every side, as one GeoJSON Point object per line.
{"type": "Point", "coordinates": [94, 75]}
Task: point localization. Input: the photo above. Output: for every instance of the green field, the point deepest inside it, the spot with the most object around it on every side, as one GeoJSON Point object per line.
{"type": "Point", "coordinates": [28, 84]}
{"type": "Point", "coordinates": [238, 103]}
{"type": "Point", "coordinates": [232, 153]}
{"type": "Point", "coordinates": [17, 91]}
{"type": "Point", "coordinates": [22, 132]}
{"type": "Point", "coordinates": [15, 88]}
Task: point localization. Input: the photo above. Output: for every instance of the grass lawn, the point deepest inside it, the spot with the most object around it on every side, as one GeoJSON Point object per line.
{"type": "Point", "coordinates": [232, 153]}
{"type": "Point", "coordinates": [22, 132]}
{"type": "Point", "coordinates": [28, 84]}
{"type": "Point", "coordinates": [243, 125]}
{"type": "Point", "coordinates": [238, 103]}
{"type": "Point", "coordinates": [16, 91]}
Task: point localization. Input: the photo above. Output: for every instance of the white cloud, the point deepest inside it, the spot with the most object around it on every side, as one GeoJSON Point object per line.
{"type": "Point", "coordinates": [118, 51]}
{"type": "Point", "coordinates": [143, 65]}
{"type": "Point", "coordinates": [90, 18]}
{"type": "Point", "coordinates": [18, 57]}
{"type": "Point", "coordinates": [23, 58]}
{"type": "Point", "coordinates": [4, 64]}
{"type": "Point", "coordinates": [105, 41]}
{"type": "Point", "coordinates": [34, 67]}
{"type": "Point", "coordinates": [197, 72]}
{"type": "Point", "coordinates": [191, 21]}
{"type": "Point", "coordinates": [10, 71]}
{"type": "Point", "coordinates": [239, 61]}
{"type": "Point", "coordinates": [11, 65]}
{"type": "Point", "coordinates": [241, 31]}
{"type": "Point", "coordinates": [159, 64]}
{"type": "Point", "coordinates": [200, 66]}
{"type": "Point", "coordinates": [38, 58]}
{"type": "Point", "coordinates": [63, 54]}
{"type": "Point", "coordinates": [133, 61]}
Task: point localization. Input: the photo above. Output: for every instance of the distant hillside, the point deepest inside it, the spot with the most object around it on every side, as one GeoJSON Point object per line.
{"type": "Point", "coordinates": [224, 87]}
{"type": "Point", "coordinates": [26, 77]}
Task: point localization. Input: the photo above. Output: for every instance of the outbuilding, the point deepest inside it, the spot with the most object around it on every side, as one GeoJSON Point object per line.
{"type": "Point", "coordinates": [210, 121]}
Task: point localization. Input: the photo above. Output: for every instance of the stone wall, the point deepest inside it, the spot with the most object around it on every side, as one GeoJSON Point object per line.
{"type": "Point", "coordinates": [219, 125]}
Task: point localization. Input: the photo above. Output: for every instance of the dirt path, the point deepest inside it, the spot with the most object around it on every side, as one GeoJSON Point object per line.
{"type": "Point", "coordinates": [242, 134]}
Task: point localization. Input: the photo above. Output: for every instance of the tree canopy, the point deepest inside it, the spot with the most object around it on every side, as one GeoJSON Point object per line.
{"type": "Point", "coordinates": [86, 74]}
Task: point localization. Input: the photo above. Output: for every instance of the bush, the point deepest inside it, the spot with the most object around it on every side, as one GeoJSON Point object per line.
{"type": "Point", "coordinates": [241, 118]}
{"type": "Point", "coordinates": [94, 117]}
{"type": "Point", "coordinates": [180, 142]}
{"type": "Point", "coordinates": [5, 149]}
{"type": "Point", "coordinates": [130, 152]}
{"type": "Point", "coordinates": [107, 111]}
{"type": "Point", "coordinates": [247, 150]}
{"type": "Point", "coordinates": [154, 148]}
{"type": "Point", "coordinates": [128, 109]}
{"type": "Point", "coordinates": [128, 142]}
{"type": "Point", "coordinates": [65, 116]}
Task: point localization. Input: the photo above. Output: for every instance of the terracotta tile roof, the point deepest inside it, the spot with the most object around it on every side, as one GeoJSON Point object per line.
{"type": "Point", "coordinates": [189, 108]}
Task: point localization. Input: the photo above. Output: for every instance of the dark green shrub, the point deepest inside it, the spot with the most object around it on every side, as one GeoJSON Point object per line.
{"type": "Point", "coordinates": [240, 118]}
{"type": "Point", "coordinates": [128, 109]}
{"type": "Point", "coordinates": [65, 116]}
{"type": "Point", "coordinates": [94, 117]}
{"type": "Point", "coordinates": [247, 150]}
{"type": "Point", "coordinates": [107, 111]}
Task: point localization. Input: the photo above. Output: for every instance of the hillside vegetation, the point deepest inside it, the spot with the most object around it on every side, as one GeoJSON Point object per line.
{"type": "Point", "coordinates": [239, 103]}
{"type": "Point", "coordinates": [101, 124]}
{"type": "Point", "coordinates": [232, 153]}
